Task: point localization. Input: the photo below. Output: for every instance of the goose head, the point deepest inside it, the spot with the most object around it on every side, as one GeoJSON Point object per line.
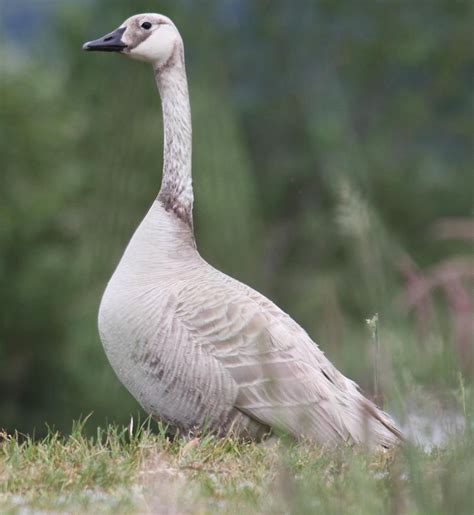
{"type": "Point", "coordinates": [146, 37]}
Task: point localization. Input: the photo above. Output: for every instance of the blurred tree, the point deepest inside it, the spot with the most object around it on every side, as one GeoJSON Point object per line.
{"type": "Point", "coordinates": [38, 242]}
{"type": "Point", "coordinates": [328, 138]}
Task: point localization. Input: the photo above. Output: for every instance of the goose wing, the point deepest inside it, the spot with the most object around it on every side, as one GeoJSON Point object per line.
{"type": "Point", "coordinates": [284, 380]}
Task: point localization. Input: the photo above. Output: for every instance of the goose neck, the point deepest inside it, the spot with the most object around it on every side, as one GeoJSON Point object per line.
{"type": "Point", "coordinates": [176, 193]}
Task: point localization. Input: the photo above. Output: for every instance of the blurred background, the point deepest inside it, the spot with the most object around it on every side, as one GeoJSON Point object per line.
{"type": "Point", "coordinates": [333, 171]}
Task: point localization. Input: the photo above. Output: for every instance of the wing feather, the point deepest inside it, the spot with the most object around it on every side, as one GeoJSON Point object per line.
{"type": "Point", "coordinates": [284, 380]}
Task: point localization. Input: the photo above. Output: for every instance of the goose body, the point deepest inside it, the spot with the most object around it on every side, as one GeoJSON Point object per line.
{"type": "Point", "coordinates": [197, 348]}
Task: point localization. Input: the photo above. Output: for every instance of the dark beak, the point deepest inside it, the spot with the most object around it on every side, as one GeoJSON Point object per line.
{"type": "Point", "coordinates": [110, 43]}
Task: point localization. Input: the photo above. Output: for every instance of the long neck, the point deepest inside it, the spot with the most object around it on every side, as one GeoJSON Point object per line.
{"type": "Point", "coordinates": [176, 193]}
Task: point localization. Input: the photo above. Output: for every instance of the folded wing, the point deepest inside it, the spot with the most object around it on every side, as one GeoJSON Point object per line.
{"type": "Point", "coordinates": [284, 380]}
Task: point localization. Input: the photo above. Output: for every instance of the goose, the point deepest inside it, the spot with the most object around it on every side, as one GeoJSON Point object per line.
{"type": "Point", "coordinates": [198, 349]}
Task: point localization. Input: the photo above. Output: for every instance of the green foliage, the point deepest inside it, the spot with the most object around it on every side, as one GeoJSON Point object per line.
{"type": "Point", "coordinates": [38, 241]}
{"type": "Point", "coordinates": [328, 140]}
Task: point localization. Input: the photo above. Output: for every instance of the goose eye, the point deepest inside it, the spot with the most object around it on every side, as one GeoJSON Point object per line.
{"type": "Point", "coordinates": [146, 25]}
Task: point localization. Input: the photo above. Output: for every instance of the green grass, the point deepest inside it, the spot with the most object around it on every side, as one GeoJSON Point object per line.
{"type": "Point", "coordinates": [121, 470]}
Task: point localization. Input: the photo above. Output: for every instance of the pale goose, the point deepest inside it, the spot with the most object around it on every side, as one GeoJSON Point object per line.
{"type": "Point", "coordinates": [198, 349]}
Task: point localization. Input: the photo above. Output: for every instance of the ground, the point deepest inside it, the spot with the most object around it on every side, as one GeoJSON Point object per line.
{"type": "Point", "coordinates": [140, 470]}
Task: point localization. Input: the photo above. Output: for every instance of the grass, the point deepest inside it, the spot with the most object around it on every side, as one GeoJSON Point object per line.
{"type": "Point", "coordinates": [121, 470]}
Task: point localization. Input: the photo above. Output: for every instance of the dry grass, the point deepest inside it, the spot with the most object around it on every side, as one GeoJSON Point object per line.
{"type": "Point", "coordinates": [143, 471]}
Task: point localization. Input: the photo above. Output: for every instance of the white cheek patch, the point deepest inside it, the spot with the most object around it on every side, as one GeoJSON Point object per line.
{"type": "Point", "coordinates": [157, 47]}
